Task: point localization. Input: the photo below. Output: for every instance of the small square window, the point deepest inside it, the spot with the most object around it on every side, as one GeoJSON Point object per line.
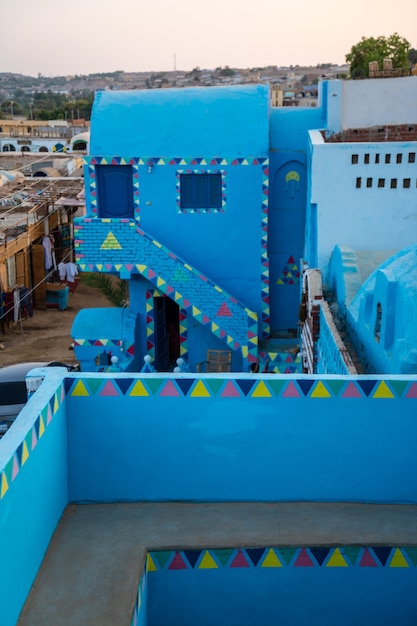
{"type": "Point", "coordinates": [377, 158]}
{"type": "Point", "coordinates": [358, 182]}
{"type": "Point", "coordinates": [407, 183]}
{"type": "Point", "coordinates": [200, 191]}
{"type": "Point", "coordinates": [399, 158]}
{"type": "Point", "coordinates": [381, 182]}
{"type": "Point", "coordinates": [369, 182]}
{"type": "Point", "coordinates": [393, 183]}
{"type": "Point", "coordinates": [355, 159]}
{"type": "Point", "coordinates": [412, 157]}
{"type": "Point", "coordinates": [366, 158]}
{"type": "Point", "coordinates": [387, 158]}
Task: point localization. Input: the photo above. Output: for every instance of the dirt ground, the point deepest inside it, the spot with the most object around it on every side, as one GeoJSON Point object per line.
{"type": "Point", "coordinates": [47, 335]}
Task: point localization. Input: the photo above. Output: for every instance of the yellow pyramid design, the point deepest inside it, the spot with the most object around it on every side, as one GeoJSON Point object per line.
{"type": "Point", "coordinates": [280, 281]}
{"type": "Point", "coordinates": [160, 282]}
{"type": "Point", "coordinates": [138, 389]}
{"type": "Point", "coordinates": [56, 404]}
{"type": "Point", "coordinates": [149, 331]}
{"type": "Point", "coordinates": [80, 389]}
{"type": "Point", "coordinates": [337, 559]}
{"type": "Point", "coordinates": [261, 391]}
{"type": "Point", "coordinates": [383, 391]}
{"type": "Point", "coordinates": [4, 485]}
{"type": "Point", "coordinates": [271, 559]}
{"type": "Point", "coordinates": [150, 565]}
{"type": "Point", "coordinates": [200, 391]}
{"type": "Point", "coordinates": [195, 311]}
{"type": "Point", "coordinates": [245, 351]}
{"type": "Point", "coordinates": [141, 268]}
{"type": "Point", "coordinates": [41, 427]}
{"type": "Point", "coordinates": [320, 391]}
{"type": "Point", "coordinates": [110, 243]}
{"type": "Point", "coordinates": [398, 559]}
{"type": "Point", "coordinates": [207, 562]}
{"type": "Point", "coordinates": [25, 454]}
{"type": "Point", "coordinates": [214, 327]}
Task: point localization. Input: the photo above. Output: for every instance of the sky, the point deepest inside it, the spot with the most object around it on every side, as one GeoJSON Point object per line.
{"type": "Point", "coordinates": [89, 36]}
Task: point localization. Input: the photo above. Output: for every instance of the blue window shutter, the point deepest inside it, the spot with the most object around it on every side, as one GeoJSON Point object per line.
{"type": "Point", "coordinates": [201, 191]}
{"type": "Point", "coordinates": [115, 191]}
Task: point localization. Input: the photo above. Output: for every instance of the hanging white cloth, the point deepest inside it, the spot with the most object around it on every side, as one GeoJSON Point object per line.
{"type": "Point", "coordinates": [72, 271]}
{"type": "Point", "coordinates": [62, 269]}
{"type": "Point", "coordinates": [47, 246]}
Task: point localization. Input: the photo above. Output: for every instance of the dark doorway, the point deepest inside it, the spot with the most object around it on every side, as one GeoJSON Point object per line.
{"type": "Point", "coordinates": [167, 333]}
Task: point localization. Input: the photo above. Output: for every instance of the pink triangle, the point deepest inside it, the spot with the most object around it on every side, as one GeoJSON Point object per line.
{"type": "Point", "coordinates": [109, 389]}
{"type": "Point", "coordinates": [351, 391]}
{"type": "Point", "coordinates": [412, 392]}
{"type": "Point", "coordinates": [169, 389]}
{"type": "Point", "coordinates": [239, 560]}
{"type": "Point", "coordinates": [34, 438]}
{"type": "Point", "coordinates": [303, 560]}
{"type": "Point", "coordinates": [367, 560]}
{"type": "Point", "coordinates": [186, 303]}
{"type": "Point", "coordinates": [291, 391]}
{"type": "Point", "coordinates": [15, 469]}
{"type": "Point", "coordinates": [230, 391]}
{"type": "Point", "coordinates": [49, 416]}
{"type": "Point", "coordinates": [151, 274]}
{"type": "Point", "coordinates": [177, 562]}
{"type": "Point", "coordinates": [224, 311]}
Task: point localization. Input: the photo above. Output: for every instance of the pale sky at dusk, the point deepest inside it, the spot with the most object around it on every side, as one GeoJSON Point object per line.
{"type": "Point", "coordinates": [87, 36]}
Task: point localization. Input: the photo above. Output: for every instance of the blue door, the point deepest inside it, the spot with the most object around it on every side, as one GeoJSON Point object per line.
{"type": "Point", "coordinates": [115, 191]}
{"type": "Point", "coordinates": [286, 223]}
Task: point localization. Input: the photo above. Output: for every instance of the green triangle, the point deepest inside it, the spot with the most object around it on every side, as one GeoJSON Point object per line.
{"type": "Point", "coordinates": [153, 384]}
{"type": "Point", "coordinates": [94, 384]}
{"type": "Point", "coordinates": [399, 386]}
{"type": "Point", "coordinates": [335, 386]}
{"type": "Point", "coordinates": [214, 384]}
{"type": "Point", "coordinates": [223, 556]}
{"type": "Point", "coordinates": [351, 552]}
{"type": "Point", "coordinates": [9, 470]}
{"type": "Point", "coordinates": [287, 554]}
{"type": "Point", "coordinates": [411, 552]}
{"type": "Point", "coordinates": [162, 557]}
{"type": "Point", "coordinates": [180, 275]}
{"type": "Point", "coordinates": [276, 386]}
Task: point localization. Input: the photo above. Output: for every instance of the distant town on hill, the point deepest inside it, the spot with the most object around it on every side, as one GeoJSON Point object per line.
{"type": "Point", "coordinates": [48, 97]}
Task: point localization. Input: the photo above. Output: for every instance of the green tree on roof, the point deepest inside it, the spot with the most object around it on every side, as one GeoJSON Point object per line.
{"type": "Point", "coordinates": [370, 49]}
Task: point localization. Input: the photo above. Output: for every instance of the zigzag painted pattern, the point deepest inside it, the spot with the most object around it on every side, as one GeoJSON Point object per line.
{"type": "Point", "coordinates": [276, 557]}
{"type": "Point", "coordinates": [264, 386]}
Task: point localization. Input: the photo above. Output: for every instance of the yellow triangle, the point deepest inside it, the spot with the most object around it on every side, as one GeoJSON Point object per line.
{"type": "Point", "coordinates": [203, 162]}
{"type": "Point", "coordinates": [207, 562]}
{"type": "Point", "coordinates": [261, 391]}
{"type": "Point", "coordinates": [56, 404]}
{"type": "Point", "coordinates": [214, 327]}
{"type": "Point", "coordinates": [245, 351]}
{"type": "Point", "coordinates": [150, 565]}
{"type": "Point", "coordinates": [156, 243]}
{"type": "Point", "coordinates": [280, 282]}
{"type": "Point", "coordinates": [383, 391]}
{"type": "Point", "coordinates": [4, 485]}
{"type": "Point", "coordinates": [160, 282]}
{"type": "Point", "coordinates": [110, 243]}
{"type": "Point", "coordinates": [254, 340]}
{"type": "Point", "coordinates": [271, 559]}
{"type": "Point", "coordinates": [200, 391]}
{"type": "Point", "coordinates": [41, 427]}
{"type": "Point", "coordinates": [320, 391]}
{"type": "Point", "coordinates": [195, 311]}
{"type": "Point", "coordinates": [141, 268]}
{"type": "Point", "coordinates": [118, 266]}
{"type": "Point", "coordinates": [80, 389]}
{"type": "Point", "coordinates": [337, 559]}
{"type": "Point", "coordinates": [177, 296]}
{"type": "Point", "coordinates": [138, 389]}
{"type": "Point", "coordinates": [25, 453]}
{"type": "Point", "coordinates": [398, 559]}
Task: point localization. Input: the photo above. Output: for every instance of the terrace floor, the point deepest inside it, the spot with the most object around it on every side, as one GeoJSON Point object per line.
{"type": "Point", "coordinates": [91, 571]}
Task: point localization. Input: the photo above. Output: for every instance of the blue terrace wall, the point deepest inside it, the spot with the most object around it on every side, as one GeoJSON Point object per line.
{"type": "Point", "coordinates": [33, 491]}
{"type": "Point", "coordinates": [244, 438]}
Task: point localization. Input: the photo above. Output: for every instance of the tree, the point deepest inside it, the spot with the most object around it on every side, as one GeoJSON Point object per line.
{"type": "Point", "coordinates": [370, 49]}
{"type": "Point", "coordinates": [412, 56]}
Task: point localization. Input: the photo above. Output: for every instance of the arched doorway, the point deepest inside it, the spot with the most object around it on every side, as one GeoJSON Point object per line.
{"type": "Point", "coordinates": [8, 147]}
{"type": "Point", "coordinates": [286, 223]}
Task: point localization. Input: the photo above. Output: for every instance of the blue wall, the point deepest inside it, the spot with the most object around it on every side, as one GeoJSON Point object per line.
{"type": "Point", "coordinates": [222, 438]}
{"type": "Point", "coordinates": [297, 586]}
{"type": "Point", "coordinates": [33, 479]}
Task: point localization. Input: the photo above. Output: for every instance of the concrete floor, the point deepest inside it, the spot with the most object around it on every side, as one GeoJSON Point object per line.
{"type": "Point", "coordinates": [93, 565]}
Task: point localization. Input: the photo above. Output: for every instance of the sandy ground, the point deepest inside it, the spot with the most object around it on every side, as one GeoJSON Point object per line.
{"type": "Point", "coordinates": [47, 335]}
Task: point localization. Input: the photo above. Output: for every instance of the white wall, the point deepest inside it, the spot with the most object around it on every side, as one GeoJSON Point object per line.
{"type": "Point", "coordinates": [379, 101]}
{"type": "Point", "coordinates": [365, 218]}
